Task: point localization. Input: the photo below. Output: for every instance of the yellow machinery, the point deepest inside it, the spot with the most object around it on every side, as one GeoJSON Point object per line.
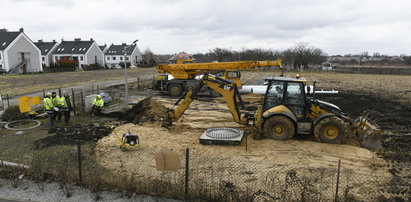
{"type": "Point", "coordinates": [185, 72]}
{"type": "Point", "coordinates": [287, 110]}
{"type": "Point", "coordinates": [128, 140]}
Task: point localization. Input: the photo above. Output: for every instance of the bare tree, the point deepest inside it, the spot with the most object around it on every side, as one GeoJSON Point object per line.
{"type": "Point", "coordinates": [302, 55]}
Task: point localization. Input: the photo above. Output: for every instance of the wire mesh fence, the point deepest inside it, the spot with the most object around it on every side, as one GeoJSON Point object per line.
{"type": "Point", "coordinates": [182, 175]}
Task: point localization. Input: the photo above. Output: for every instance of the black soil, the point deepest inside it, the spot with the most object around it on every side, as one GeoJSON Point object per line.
{"type": "Point", "coordinates": [394, 119]}
{"type": "Point", "coordinates": [71, 135]}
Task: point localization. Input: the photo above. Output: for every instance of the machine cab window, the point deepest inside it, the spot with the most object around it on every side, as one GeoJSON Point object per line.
{"type": "Point", "coordinates": [275, 94]}
{"type": "Point", "coordinates": [288, 93]}
{"type": "Point", "coordinates": [233, 74]}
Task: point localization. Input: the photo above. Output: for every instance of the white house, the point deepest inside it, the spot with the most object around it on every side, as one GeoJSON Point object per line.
{"type": "Point", "coordinates": [115, 55]}
{"type": "Point", "coordinates": [46, 49]}
{"type": "Point", "coordinates": [103, 48]}
{"type": "Point", "coordinates": [18, 53]}
{"type": "Point", "coordinates": [79, 52]}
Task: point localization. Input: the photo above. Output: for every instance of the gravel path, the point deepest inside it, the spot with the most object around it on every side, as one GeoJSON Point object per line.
{"type": "Point", "coordinates": [30, 191]}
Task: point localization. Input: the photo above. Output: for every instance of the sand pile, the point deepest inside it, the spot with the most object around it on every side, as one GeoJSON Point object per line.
{"type": "Point", "coordinates": [147, 110]}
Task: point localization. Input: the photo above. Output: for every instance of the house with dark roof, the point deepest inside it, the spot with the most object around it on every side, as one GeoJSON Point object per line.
{"type": "Point", "coordinates": [46, 49]}
{"type": "Point", "coordinates": [180, 56]}
{"type": "Point", "coordinates": [18, 54]}
{"type": "Point", "coordinates": [80, 52]}
{"type": "Point", "coordinates": [115, 55]}
{"type": "Point", "coordinates": [103, 48]}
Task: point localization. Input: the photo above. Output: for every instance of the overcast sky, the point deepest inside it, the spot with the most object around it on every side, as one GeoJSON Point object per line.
{"type": "Point", "coordinates": [171, 26]}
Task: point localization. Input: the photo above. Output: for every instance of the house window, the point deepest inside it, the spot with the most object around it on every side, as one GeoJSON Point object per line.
{"type": "Point", "coordinates": [114, 58]}
{"type": "Point", "coordinates": [121, 58]}
{"type": "Point", "coordinates": [56, 57]}
{"type": "Point", "coordinates": [42, 58]}
{"type": "Point", "coordinates": [127, 58]}
{"type": "Point", "coordinates": [0, 56]}
{"type": "Point", "coordinates": [81, 58]}
{"type": "Point", "coordinates": [108, 58]}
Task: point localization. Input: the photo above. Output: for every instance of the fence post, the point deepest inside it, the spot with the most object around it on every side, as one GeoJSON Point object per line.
{"type": "Point", "coordinates": [138, 83]}
{"type": "Point", "coordinates": [8, 101]}
{"type": "Point", "coordinates": [74, 101]}
{"type": "Point", "coordinates": [44, 93]}
{"type": "Point", "coordinates": [338, 180]}
{"type": "Point", "coordinates": [82, 102]}
{"type": "Point", "coordinates": [80, 175]}
{"type": "Point", "coordinates": [92, 88]}
{"type": "Point", "coordinates": [2, 103]}
{"type": "Point", "coordinates": [59, 92]}
{"type": "Point", "coordinates": [98, 90]}
{"type": "Point", "coordinates": [187, 173]}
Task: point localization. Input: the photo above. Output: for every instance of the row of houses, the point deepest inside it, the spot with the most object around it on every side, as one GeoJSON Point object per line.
{"type": "Point", "coordinates": [18, 53]}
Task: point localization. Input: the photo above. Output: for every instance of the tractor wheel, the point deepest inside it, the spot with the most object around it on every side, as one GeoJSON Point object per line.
{"type": "Point", "coordinates": [279, 128]}
{"type": "Point", "coordinates": [175, 90]}
{"type": "Point", "coordinates": [330, 130]}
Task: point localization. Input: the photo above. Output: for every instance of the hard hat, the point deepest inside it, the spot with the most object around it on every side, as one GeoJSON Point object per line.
{"type": "Point", "coordinates": [48, 93]}
{"type": "Point", "coordinates": [98, 96]}
{"type": "Point", "coordinates": [102, 94]}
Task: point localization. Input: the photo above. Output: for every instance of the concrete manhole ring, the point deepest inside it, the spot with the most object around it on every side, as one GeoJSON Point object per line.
{"type": "Point", "coordinates": [222, 133]}
{"type": "Point", "coordinates": [8, 126]}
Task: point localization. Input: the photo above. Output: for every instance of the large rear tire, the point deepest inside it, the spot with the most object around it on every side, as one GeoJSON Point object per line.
{"type": "Point", "coordinates": [279, 128]}
{"type": "Point", "coordinates": [175, 90]}
{"type": "Point", "coordinates": [330, 130]}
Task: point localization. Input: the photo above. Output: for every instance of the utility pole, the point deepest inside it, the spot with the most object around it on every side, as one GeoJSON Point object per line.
{"type": "Point", "coordinates": [125, 69]}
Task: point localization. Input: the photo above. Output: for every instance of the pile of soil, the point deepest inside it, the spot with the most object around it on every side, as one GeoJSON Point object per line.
{"type": "Point", "coordinates": [70, 135]}
{"type": "Point", "coordinates": [147, 110]}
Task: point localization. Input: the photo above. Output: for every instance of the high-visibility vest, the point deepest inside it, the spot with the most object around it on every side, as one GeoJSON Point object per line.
{"type": "Point", "coordinates": [55, 101]}
{"type": "Point", "coordinates": [63, 102]}
{"type": "Point", "coordinates": [48, 104]}
{"type": "Point", "coordinates": [98, 103]}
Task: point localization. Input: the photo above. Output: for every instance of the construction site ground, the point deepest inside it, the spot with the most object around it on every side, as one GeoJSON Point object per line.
{"type": "Point", "coordinates": [388, 97]}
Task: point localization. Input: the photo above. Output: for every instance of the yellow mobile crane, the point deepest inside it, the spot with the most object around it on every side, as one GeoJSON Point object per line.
{"type": "Point", "coordinates": [287, 110]}
{"type": "Point", "coordinates": [185, 72]}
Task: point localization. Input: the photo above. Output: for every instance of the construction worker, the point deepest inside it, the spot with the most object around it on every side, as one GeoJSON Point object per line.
{"type": "Point", "coordinates": [98, 104]}
{"type": "Point", "coordinates": [65, 104]}
{"type": "Point", "coordinates": [55, 99]}
{"type": "Point", "coordinates": [51, 113]}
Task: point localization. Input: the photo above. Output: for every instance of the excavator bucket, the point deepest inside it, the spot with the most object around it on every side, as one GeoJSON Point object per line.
{"type": "Point", "coordinates": [369, 134]}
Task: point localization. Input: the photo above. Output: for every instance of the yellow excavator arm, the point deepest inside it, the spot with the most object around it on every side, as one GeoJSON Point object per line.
{"type": "Point", "coordinates": [226, 88]}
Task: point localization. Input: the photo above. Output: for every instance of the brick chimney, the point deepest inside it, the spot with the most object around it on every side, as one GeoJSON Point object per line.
{"type": "Point", "coordinates": [40, 41]}
{"type": "Point", "coordinates": [21, 29]}
{"type": "Point", "coordinates": [77, 39]}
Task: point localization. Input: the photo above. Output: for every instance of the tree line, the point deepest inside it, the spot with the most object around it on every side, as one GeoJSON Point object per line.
{"type": "Point", "coordinates": [301, 55]}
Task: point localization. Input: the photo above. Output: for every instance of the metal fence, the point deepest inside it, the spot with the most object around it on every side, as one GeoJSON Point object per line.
{"type": "Point", "coordinates": [182, 175]}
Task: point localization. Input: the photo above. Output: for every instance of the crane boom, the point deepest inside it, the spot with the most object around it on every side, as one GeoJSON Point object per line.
{"type": "Point", "coordinates": [190, 70]}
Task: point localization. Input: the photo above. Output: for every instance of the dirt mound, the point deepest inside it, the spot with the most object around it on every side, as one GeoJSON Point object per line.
{"type": "Point", "coordinates": [147, 110]}
{"type": "Point", "coordinates": [69, 135]}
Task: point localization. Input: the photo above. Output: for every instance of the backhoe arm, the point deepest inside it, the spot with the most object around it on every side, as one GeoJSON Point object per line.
{"type": "Point", "coordinates": [226, 88]}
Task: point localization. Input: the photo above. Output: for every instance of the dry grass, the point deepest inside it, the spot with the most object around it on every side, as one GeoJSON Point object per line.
{"type": "Point", "coordinates": [388, 86]}
{"type": "Point", "coordinates": [23, 84]}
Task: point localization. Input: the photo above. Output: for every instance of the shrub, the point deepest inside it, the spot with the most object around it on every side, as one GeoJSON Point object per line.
{"type": "Point", "coordinates": [12, 113]}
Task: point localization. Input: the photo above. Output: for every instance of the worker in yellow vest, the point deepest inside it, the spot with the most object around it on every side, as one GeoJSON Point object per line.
{"type": "Point", "coordinates": [98, 104]}
{"type": "Point", "coordinates": [65, 106]}
{"type": "Point", "coordinates": [55, 99]}
{"type": "Point", "coordinates": [48, 105]}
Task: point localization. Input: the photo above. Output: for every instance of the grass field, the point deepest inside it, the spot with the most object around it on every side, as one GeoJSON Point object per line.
{"type": "Point", "coordinates": [22, 84]}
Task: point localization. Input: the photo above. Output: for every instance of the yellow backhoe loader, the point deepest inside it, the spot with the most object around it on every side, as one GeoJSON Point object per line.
{"type": "Point", "coordinates": [288, 108]}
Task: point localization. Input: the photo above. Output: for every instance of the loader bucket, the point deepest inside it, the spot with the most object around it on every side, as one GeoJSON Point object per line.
{"type": "Point", "coordinates": [368, 134]}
